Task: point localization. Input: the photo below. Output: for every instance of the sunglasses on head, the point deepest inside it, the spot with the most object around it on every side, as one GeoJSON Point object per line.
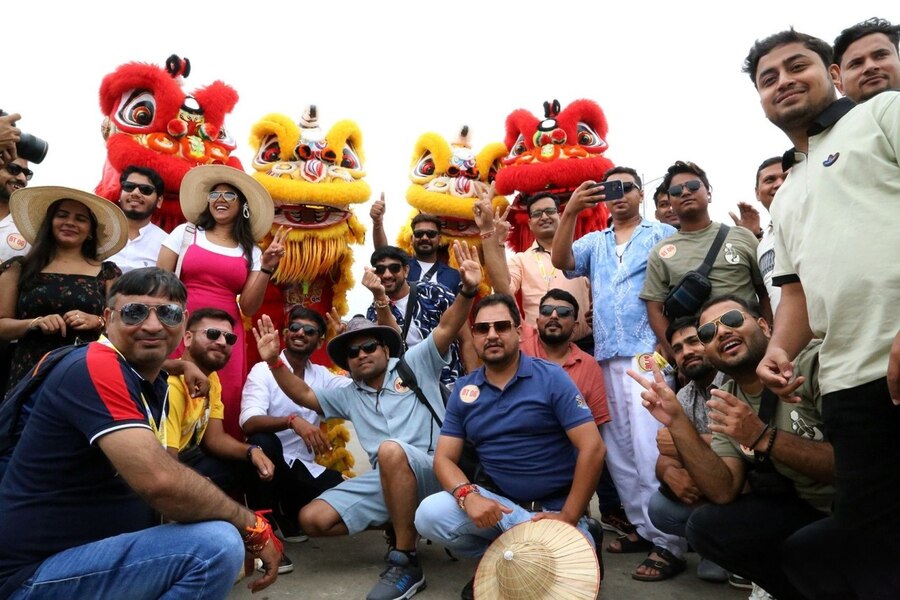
{"type": "Point", "coordinates": [563, 312]}
{"type": "Point", "coordinates": [485, 326]}
{"type": "Point", "coordinates": [394, 268]}
{"type": "Point", "coordinates": [16, 170]}
{"type": "Point", "coordinates": [307, 329]}
{"type": "Point", "coordinates": [135, 313]}
{"type": "Point", "coordinates": [228, 197]}
{"type": "Point", "coordinates": [733, 319]}
{"type": "Point", "coordinates": [143, 188]}
{"type": "Point", "coordinates": [692, 185]}
{"type": "Point", "coordinates": [538, 212]}
{"type": "Point", "coordinates": [212, 334]}
{"type": "Point", "coordinates": [367, 347]}
{"type": "Point", "coordinates": [429, 233]}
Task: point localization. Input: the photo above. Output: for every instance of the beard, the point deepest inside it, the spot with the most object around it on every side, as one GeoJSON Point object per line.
{"type": "Point", "coordinates": [558, 336]}
{"type": "Point", "coordinates": [756, 349]}
{"type": "Point", "coordinates": [697, 370]}
{"type": "Point", "coordinates": [138, 215]}
{"type": "Point", "coordinates": [209, 363]}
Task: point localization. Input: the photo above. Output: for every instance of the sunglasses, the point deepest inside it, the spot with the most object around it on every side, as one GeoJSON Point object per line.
{"type": "Point", "coordinates": [16, 170]}
{"type": "Point", "coordinates": [135, 313]}
{"type": "Point", "coordinates": [307, 329]}
{"type": "Point", "coordinates": [538, 212]}
{"type": "Point", "coordinates": [692, 185]}
{"type": "Point", "coordinates": [212, 334]}
{"type": "Point", "coordinates": [145, 189]}
{"type": "Point", "coordinates": [394, 268]}
{"type": "Point", "coordinates": [428, 233]}
{"type": "Point", "coordinates": [563, 312]}
{"type": "Point", "coordinates": [228, 197]}
{"type": "Point", "coordinates": [707, 332]}
{"type": "Point", "coordinates": [485, 326]}
{"type": "Point", "coordinates": [627, 186]}
{"type": "Point", "coordinates": [367, 347]}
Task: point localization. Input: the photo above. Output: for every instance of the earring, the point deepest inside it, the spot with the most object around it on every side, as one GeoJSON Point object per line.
{"type": "Point", "coordinates": [246, 211]}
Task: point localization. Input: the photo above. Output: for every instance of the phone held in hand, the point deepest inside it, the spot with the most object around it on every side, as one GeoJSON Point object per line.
{"type": "Point", "coordinates": [612, 189]}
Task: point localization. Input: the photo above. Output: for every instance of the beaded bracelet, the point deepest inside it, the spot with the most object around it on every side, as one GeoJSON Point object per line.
{"type": "Point", "coordinates": [761, 435]}
{"type": "Point", "coordinates": [382, 304]}
{"type": "Point", "coordinates": [771, 443]}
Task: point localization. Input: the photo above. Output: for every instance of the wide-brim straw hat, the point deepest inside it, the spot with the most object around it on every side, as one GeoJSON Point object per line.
{"type": "Point", "coordinates": [538, 559]}
{"type": "Point", "coordinates": [339, 344]}
{"type": "Point", "coordinates": [29, 209]}
{"type": "Point", "coordinates": [197, 183]}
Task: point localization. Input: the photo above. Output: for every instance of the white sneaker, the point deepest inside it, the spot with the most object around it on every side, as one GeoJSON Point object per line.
{"type": "Point", "coordinates": [759, 594]}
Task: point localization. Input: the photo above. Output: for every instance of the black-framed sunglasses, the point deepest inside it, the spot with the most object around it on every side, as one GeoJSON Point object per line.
{"type": "Point", "coordinates": [228, 197]}
{"type": "Point", "coordinates": [135, 313]}
{"type": "Point", "coordinates": [733, 319]}
{"type": "Point", "coordinates": [394, 268]}
{"type": "Point", "coordinates": [143, 188]}
{"type": "Point", "coordinates": [212, 334]}
{"type": "Point", "coordinates": [304, 327]}
{"type": "Point", "coordinates": [539, 212]}
{"type": "Point", "coordinates": [627, 186]}
{"type": "Point", "coordinates": [367, 347]}
{"type": "Point", "coordinates": [428, 233]}
{"type": "Point", "coordinates": [563, 312]}
{"type": "Point", "coordinates": [16, 170]}
{"type": "Point", "coordinates": [693, 185]}
{"type": "Point", "coordinates": [484, 327]}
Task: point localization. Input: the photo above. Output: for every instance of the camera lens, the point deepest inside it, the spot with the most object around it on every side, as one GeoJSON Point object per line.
{"type": "Point", "coordinates": [32, 148]}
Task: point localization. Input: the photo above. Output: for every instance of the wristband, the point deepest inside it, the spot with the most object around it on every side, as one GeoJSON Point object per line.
{"type": "Point", "coordinates": [464, 491]}
{"type": "Point", "coordinates": [259, 534]}
{"type": "Point", "coordinates": [32, 326]}
{"type": "Point", "coordinates": [266, 271]}
{"type": "Point", "coordinates": [290, 421]}
{"type": "Point", "coordinates": [250, 449]}
{"type": "Point", "coordinates": [382, 304]}
{"type": "Point", "coordinates": [761, 435]}
{"type": "Point", "coordinates": [768, 449]}
{"type": "Point", "coordinates": [486, 234]}
{"type": "Point", "coordinates": [278, 364]}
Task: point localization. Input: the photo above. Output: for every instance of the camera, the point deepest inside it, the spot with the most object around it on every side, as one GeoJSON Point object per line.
{"type": "Point", "coordinates": [30, 147]}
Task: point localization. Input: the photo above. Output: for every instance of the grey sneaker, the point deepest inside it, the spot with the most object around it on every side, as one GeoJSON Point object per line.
{"type": "Point", "coordinates": [401, 579]}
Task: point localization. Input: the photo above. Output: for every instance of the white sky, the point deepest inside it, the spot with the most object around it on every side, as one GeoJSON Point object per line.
{"type": "Point", "coordinates": [666, 74]}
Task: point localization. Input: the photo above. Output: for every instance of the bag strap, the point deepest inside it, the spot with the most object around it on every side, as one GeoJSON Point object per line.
{"type": "Point", "coordinates": [767, 406]}
{"type": "Point", "coordinates": [430, 273]}
{"type": "Point", "coordinates": [407, 318]}
{"type": "Point", "coordinates": [409, 378]}
{"type": "Point", "coordinates": [189, 237]}
{"type": "Point", "coordinates": [706, 267]}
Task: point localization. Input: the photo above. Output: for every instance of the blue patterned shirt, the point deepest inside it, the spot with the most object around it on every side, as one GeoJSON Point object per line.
{"type": "Point", "coordinates": [621, 326]}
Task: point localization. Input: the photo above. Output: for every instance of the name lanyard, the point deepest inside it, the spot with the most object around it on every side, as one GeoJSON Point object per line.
{"type": "Point", "coordinates": [159, 432]}
{"type": "Point", "coordinates": [540, 261]}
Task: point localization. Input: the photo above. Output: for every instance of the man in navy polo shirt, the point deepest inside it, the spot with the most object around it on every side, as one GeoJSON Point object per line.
{"type": "Point", "coordinates": [534, 435]}
{"type": "Point", "coordinates": [79, 501]}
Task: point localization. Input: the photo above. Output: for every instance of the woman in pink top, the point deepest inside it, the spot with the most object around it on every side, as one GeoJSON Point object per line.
{"type": "Point", "coordinates": [216, 257]}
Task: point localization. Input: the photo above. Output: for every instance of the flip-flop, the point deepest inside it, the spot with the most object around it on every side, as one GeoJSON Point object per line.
{"type": "Point", "coordinates": [629, 546]}
{"type": "Point", "coordinates": [672, 567]}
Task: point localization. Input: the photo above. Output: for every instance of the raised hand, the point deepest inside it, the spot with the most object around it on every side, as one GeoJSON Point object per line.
{"type": "Point", "coordinates": [748, 217]}
{"type": "Point", "coordinates": [658, 397]}
{"type": "Point", "coordinates": [333, 323]}
{"type": "Point", "coordinates": [586, 195]}
{"type": "Point", "coordinates": [372, 282]}
{"type": "Point", "coordinates": [469, 265]}
{"type": "Point", "coordinates": [267, 342]}
{"type": "Point", "coordinates": [377, 211]}
{"type": "Point", "coordinates": [272, 256]}
{"type": "Point", "coordinates": [776, 371]}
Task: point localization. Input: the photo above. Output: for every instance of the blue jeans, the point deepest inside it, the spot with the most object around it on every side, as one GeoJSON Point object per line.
{"type": "Point", "coordinates": [669, 516]}
{"type": "Point", "coordinates": [195, 561]}
{"type": "Point", "coordinates": [440, 519]}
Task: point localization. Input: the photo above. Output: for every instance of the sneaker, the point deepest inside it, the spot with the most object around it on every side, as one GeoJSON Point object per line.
{"type": "Point", "coordinates": [297, 537]}
{"type": "Point", "coordinates": [741, 583]}
{"type": "Point", "coordinates": [468, 591]}
{"type": "Point", "coordinates": [401, 579]}
{"type": "Point", "coordinates": [616, 520]}
{"type": "Point", "coordinates": [285, 565]}
{"type": "Point", "coordinates": [760, 594]}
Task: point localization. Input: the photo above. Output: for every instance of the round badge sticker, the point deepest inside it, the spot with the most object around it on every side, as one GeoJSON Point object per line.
{"type": "Point", "coordinates": [399, 387]}
{"type": "Point", "coordinates": [645, 362]}
{"type": "Point", "coordinates": [469, 394]}
{"type": "Point", "coordinates": [15, 241]}
{"type": "Point", "coordinates": [668, 251]}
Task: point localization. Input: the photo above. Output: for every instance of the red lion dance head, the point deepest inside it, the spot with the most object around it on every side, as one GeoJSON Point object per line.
{"type": "Point", "coordinates": [151, 122]}
{"type": "Point", "coordinates": [553, 155]}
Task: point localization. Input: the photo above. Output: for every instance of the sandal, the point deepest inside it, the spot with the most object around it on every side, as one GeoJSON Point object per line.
{"type": "Point", "coordinates": [629, 546]}
{"type": "Point", "coordinates": [668, 569]}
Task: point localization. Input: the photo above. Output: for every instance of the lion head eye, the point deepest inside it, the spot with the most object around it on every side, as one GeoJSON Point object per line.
{"type": "Point", "coordinates": [138, 108]}
{"type": "Point", "coordinates": [424, 166]}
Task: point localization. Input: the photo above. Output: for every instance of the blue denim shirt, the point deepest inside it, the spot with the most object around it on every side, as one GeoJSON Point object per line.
{"type": "Point", "coordinates": [621, 326]}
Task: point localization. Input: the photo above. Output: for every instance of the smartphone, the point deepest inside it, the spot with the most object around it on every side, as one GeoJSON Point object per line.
{"type": "Point", "coordinates": [612, 189]}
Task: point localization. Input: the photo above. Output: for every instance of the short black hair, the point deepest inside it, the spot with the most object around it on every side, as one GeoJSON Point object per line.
{"type": "Point", "coordinates": [561, 295]}
{"type": "Point", "coordinates": [765, 165]}
{"type": "Point", "coordinates": [216, 314]}
{"type": "Point", "coordinates": [751, 306]}
{"type": "Point", "coordinates": [424, 218]}
{"type": "Point", "coordinates": [861, 30]}
{"type": "Point", "coordinates": [679, 324]}
{"type": "Point", "coordinates": [530, 200]}
{"type": "Point", "coordinates": [389, 252]}
{"type": "Point", "coordinates": [150, 174]}
{"type": "Point", "coordinates": [307, 314]}
{"type": "Point", "coordinates": [661, 190]}
{"type": "Point", "coordinates": [762, 47]}
{"type": "Point", "coordinates": [624, 171]}
{"type": "Point", "coordinates": [681, 166]}
{"type": "Point", "coordinates": [494, 300]}
{"type": "Point", "coordinates": [149, 281]}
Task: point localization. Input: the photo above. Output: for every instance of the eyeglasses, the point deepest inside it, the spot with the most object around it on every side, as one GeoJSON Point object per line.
{"type": "Point", "coordinates": [16, 170]}
{"type": "Point", "coordinates": [145, 189]}
{"type": "Point", "coordinates": [212, 334]}
{"type": "Point", "coordinates": [429, 233]}
{"type": "Point", "coordinates": [485, 326]}
{"type": "Point", "coordinates": [367, 347]}
{"type": "Point", "coordinates": [228, 197]}
{"type": "Point", "coordinates": [692, 185]}
{"type": "Point", "coordinates": [627, 186]}
{"type": "Point", "coordinates": [733, 319]}
{"type": "Point", "coordinates": [394, 268]}
{"type": "Point", "coordinates": [549, 211]}
{"type": "Point", "coordinates": [307, 329]}
{"type": "Point", "coordinates": [563, 312]}
{"type": "Point", "coordinates": [135, 313]}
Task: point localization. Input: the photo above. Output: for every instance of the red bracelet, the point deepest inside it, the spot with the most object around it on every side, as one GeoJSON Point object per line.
{"type": "Point", "coordinates": [290, 421]}
{"type": "Point", "coordinates": [461, 492]}
{"type": "Point", "coordinates": [278, 364]}
{"type": "Point", "coordinates": [259, 534]}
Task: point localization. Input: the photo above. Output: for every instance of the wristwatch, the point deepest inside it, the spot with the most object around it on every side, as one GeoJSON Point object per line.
{"type": "Point", "coordinates": [460, 291]}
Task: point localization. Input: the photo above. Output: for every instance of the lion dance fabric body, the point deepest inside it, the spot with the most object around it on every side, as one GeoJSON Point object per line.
{"type": "Point", "coordinates": [442, 174]}
{"type": "Point", "coordinates": [314, 178]}
{"type": "Point", "coordinates": [151, 122]}
{"type": "Point", "coordinates": [553, 155]}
